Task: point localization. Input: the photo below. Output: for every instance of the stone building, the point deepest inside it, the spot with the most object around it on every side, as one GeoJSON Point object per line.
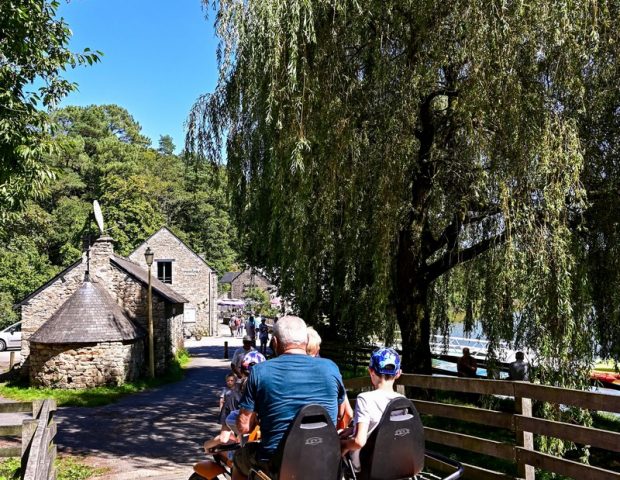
{"type": "Point", "coordinates": [177, 265]}
{"type": "Point", "coordinates": [87, 342]}
{"type": "Point", "coordinates": [240, 282]}
{"type": "Point", "coordinates": [85, 327]}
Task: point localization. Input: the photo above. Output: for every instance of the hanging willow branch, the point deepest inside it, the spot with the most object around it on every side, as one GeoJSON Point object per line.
{"type": "Point", "coordinates": [376, 148]}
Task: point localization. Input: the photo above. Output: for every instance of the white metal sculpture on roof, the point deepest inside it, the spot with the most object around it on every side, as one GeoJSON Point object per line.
{"type": "Point", "coordinates": [98, 216]}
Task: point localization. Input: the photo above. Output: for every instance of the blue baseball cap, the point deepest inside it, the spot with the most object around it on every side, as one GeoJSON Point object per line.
{"type": "Point", "coordinates": [385, 361]}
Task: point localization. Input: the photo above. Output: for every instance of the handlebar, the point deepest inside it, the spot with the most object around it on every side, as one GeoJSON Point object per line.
{"type": "Point", "coordinates": [453, 463]}
{"type": "Point", "coordinates": [225, 447]}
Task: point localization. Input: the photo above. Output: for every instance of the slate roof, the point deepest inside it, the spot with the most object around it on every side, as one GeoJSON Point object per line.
{"type": "Point", "coordinates": [137, 272]}
{"type": "Point", "coordinates": [90, 315]}
{"type": "Point", "coordinates": [228, 277]}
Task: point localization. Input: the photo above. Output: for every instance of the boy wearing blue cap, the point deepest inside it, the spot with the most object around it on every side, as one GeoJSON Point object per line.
{"type": "Point", "coordinates": [384, 369]}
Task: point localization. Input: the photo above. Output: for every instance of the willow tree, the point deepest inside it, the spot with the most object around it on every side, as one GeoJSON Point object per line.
{"type": "Point", "coordinates": [599, 127]}
{"type": "Point", "coordinates": [377, 148]}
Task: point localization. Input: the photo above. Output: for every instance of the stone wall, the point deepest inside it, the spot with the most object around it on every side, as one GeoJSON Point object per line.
{"type": "Point", "coordinates": [74, 366]}
{"type": "Point", "coordinates": [247, 279]}
{"type": "Point", "coordinates": [215, 325]}
{"type": "Point", "coordinates": [42, 306]}
{"type": "Point", "coordinates": [129, 293]}
{"type": "Point", "coordinates": [191, 276]}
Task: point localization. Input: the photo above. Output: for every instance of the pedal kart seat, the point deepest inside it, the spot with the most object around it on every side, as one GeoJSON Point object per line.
{"type": "Point", "coordinates": [310, 449]}
{"type": "Point", "coordinates": [395, 448]}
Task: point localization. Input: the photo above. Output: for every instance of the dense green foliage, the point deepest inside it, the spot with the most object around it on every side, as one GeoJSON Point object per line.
{"type": "Point", "coordinates": [33, 56]}
{"type": "Point", "coordinates": [101, 154]}
{"type": "Point", "coordinates": [258, 301]}
{"type": "Point", "coordinates": [394, 162]}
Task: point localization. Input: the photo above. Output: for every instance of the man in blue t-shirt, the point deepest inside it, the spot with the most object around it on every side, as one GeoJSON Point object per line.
{"type": "Point", "coordinates": [277, 389]}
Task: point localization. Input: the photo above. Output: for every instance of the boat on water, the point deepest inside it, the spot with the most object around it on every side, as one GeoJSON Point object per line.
{"type": "Point", "coordinates": [606, 379]}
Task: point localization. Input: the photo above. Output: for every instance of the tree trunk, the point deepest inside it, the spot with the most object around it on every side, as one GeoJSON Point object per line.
{"type": "Point", "coordinates": [411, 306]}
{"type": "Point", "coordinates": [415, 326]}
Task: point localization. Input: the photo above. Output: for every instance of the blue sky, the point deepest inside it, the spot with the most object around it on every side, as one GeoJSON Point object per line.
{"type": "Point", "coordinates": [159, 56]}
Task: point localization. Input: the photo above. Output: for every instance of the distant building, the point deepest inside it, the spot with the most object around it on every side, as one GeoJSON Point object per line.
{"type": "Point", "coordinates": [86, 326]}
{"type": "Point", "coordinates": [241, 282]}
{"type": "Point", "coordinates": [186, 272]}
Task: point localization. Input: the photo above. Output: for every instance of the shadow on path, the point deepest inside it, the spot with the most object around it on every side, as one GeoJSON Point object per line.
{"type": "Point", "coordinates": [163, 426]}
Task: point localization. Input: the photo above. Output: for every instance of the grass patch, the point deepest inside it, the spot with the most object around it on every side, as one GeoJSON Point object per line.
{"type": "Point", "coordinates": [67, 468]}
{"type": "Point", "coordinates": [183, 357]}
{"type": "Point", "coordinates": [606, 421]}
{"type": "Point", "coordinates": [71, 468]}
{"type": "Point", "coordinates": [94, 397]}
{"type": "Point", "coordinates": [606, 366]}
{"type": "Point", "coordinates": [600, 457]}
{"type": "Point", "coordinates": [9, 468]}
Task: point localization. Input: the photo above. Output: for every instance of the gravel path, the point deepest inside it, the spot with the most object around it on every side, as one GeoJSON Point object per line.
{"type": "Point", "coordinates": [156, 434]}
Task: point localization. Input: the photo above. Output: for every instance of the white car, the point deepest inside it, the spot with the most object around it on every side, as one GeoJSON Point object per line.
{"type": "Point", "coordinates": [11, 337]}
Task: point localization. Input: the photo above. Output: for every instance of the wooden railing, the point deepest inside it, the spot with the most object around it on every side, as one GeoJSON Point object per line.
{"type": "Point", "coordinates": [522, 423]}
{"type": "Point", "coordinates": [37, 449]}
{"type": "Point", "coordinates": [355, 358]}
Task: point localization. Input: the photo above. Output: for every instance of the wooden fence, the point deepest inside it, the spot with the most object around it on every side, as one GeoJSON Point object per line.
{"type": "Point", "coordinates": [37, 450]}
{"type": "Point", "coordinates": [355, 358]}
{"type": "Point", "coordinates": [522, 423]}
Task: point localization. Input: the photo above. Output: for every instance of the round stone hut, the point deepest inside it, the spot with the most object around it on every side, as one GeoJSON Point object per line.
{"type": "Point", "coordinates": [87, 342]}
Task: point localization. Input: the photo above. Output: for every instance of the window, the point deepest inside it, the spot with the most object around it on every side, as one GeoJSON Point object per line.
{"type": "Point", "coordinates": [164, 271]}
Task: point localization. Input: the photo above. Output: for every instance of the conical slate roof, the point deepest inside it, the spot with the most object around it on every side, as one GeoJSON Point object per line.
{"type": "Point", "coordinates": [90, 315]}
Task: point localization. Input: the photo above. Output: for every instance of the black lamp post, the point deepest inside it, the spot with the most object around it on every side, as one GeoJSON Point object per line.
{"type": "Point", "coordinates": [148, 256]}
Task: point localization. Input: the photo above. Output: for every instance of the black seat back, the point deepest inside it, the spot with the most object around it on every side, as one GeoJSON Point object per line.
{"type": "Point", "coordinates": [311, 447]}
{"type": "Point", "coordinates": [395, 448]}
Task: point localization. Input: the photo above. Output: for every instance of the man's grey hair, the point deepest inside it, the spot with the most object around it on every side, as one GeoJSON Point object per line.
{"type": "Point", "coordinates": [291, 330]}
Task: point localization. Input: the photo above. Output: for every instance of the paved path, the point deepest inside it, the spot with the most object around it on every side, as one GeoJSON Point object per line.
{"type": "Point", "coordinates": [156, 434]}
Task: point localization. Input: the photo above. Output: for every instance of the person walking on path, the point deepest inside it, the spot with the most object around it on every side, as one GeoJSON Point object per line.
{"type": "Point", "coordinates": [263, 335]}
{"type": "Point", "coordinates": [240, 326]}
{"type": "Point", "coordinates": [250, 329]}
{"type": "Point", "coordinates": [232, 324]}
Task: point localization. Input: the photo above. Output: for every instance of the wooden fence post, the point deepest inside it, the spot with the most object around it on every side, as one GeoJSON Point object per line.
{"type": "Point", "coordinates": [523, 406]}
{"type": "Point", "coordinates": [12, 361]}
